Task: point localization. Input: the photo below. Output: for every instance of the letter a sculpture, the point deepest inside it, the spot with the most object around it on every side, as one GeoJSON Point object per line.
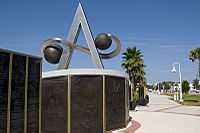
{"type": "Point", "coordinates": [54, 53]}
{"type": "Point", "coordinates": [83, 100]}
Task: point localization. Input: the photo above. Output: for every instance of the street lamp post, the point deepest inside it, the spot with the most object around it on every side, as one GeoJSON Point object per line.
{"type": "Point", "coordinates": [174, 70]}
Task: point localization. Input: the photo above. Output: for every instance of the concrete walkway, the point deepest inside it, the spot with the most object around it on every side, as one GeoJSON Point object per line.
{"type": "Point", "coordinates": [166, 116]}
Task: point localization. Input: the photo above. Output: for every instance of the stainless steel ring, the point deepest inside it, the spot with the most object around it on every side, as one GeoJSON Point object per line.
{"type": "Point", "coordinates": [83, 49]}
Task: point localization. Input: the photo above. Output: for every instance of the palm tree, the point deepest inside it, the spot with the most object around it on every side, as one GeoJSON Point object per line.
{"type": "Point", "coordinates": [195, 55]}
{"type": "Point", "coordinates": [134, 64]}
{"type": "Point", "coordinates": [195, 83]}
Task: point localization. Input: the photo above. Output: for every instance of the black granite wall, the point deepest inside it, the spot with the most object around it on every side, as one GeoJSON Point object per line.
{"type": "Point", "coordinates": [20, 76]}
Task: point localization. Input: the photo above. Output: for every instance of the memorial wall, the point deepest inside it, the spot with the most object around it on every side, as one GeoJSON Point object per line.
{"type": "Point", "coordinates": [20, 87]}
{"type": "Point", "coordinates": [77, 102]}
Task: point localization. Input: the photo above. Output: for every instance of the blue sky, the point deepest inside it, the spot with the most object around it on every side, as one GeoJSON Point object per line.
{"type": "Point", "coordinates": [164, 30]}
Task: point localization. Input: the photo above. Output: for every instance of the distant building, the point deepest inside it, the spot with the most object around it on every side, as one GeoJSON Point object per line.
{"type": "Point", "coordinates": [192, 90]}
{"type": "Point", "coordinates": [191, 86]}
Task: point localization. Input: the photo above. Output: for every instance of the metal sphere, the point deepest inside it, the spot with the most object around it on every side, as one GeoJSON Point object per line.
{"type": "Point", "coordinates": [52, 53]}
{"type": "Point", "coordinates": [103, 41]}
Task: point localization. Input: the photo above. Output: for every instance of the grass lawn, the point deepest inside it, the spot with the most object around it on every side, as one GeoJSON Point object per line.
{"type": "Point", "coordinates": [191, 100]}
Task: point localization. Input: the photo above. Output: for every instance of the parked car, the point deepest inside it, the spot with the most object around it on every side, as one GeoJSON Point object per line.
{"type": "Point", "coordinates": [194, 91]}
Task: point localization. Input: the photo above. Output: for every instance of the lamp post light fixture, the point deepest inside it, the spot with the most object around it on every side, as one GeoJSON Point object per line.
{"type": "Point", "coordinates": [174, 71]}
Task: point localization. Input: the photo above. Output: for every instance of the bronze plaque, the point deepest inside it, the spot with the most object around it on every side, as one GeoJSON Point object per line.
{"type": "Point", "coordinates": [54, 105]}
{"type": "Point", "coordinates": [4, 76]}
{"type": "Point", "coordinates": [33, 96]}
{"type": "Point", "coordinates": [115, 103]}
{"type": "Point", "coordinates": [86, 104]}
{"type": "Point", "coordinates": [18, 94]}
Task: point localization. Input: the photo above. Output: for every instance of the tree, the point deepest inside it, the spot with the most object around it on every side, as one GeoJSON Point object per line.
{"type": "Point", "coordinates": [166, 85]}
{"type": "Point", "coordinates": [185, 86]}
{"type": "Point", "coordinates": [132, 61]}
{"type": "Point", "coordinates": [195, 84]}
{"type": "Point", "coordinates": [195, 55]}
{"type": "Point", "coordinates": [149, 86]}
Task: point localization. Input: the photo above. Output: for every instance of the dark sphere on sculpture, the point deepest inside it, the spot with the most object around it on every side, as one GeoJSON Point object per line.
{"type": "Point", "coordinates": [52, 53]}
{"type": "Point", "coordinates": [103, 41]}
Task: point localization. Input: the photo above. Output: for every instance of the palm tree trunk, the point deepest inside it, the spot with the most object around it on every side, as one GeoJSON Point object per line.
{"type": "Point", "coordinates": [134, 83]}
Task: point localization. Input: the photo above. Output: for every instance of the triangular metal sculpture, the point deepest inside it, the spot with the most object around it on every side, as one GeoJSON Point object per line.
{"type": "Point", "coordinates": [54, 53]}
{"type": "Point", "coordinates": [78, 23]}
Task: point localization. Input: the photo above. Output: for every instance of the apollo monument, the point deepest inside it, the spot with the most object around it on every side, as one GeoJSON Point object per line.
{"type": "Point", "coordinates": [83, 100]}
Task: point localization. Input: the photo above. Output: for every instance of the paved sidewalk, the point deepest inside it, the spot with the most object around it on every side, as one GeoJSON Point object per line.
{"type": "Point", "coordinates": [158, 102]}
{"type": "Point", "coordinates": [166, 116]}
